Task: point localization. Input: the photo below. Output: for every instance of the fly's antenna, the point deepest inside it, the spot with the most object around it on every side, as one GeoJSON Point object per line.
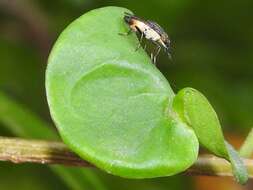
{"type": "Point", "coordinates": [128, 14]}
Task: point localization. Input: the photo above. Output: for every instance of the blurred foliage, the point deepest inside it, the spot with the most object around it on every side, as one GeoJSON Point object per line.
{"type": "Point", "coordinates": [28, 177]}
{"type": "Point", "coordinates": [212, 52]}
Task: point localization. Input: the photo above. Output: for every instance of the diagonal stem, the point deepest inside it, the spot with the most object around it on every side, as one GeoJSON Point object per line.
{"type": "Point", "coordinates": [246, 149]}
{"type": "Point", "coordinates": [44, 152]}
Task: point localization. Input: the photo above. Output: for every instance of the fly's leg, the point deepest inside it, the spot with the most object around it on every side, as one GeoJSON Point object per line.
{"type": "Point", "coordinates": [139, 44]}
{"type": "Point", "coordinates": [156, 54]}
{"type": "Point", "coordinates": [151, 57]}
{"type": "Point", "coordinates": [145, 46]}
{"type": "Point", "coordinates": [140, 41]}
{"type": "Point", "coordinates": [126, 33]}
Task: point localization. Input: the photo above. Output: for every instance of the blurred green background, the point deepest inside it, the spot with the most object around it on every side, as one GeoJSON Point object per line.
{"type": "Point", "coordinates": [212, 52]}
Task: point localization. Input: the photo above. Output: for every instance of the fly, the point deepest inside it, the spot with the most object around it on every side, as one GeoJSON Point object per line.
{"type": "Point", "coordinates": [149, 30]}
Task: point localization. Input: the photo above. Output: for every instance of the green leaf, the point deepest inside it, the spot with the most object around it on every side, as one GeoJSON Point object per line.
{"type": "Point", "coordinates": [20, 121]}
{"type": "Point", "coordinates": [246, 149]}
{"type": "Point", "coordinates": [194, 109]}
{"type": "Point", "coordinates": [111, 105]}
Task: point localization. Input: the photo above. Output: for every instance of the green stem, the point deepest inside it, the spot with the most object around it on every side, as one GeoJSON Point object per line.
{"type": "Point", "coordinates": [246, 149]}
{"type": "Point", "coordinates": [18, 150]}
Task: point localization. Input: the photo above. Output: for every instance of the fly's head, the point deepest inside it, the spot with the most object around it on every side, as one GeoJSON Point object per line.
{"type": "Point", "coordinates": [128, 18]}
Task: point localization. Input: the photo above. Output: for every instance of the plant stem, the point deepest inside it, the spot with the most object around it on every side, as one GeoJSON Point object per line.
{"type": "Point", "coordinates": [43, 152]}
{"type": "Point", "coordinates": [48, 152]}
{"type": "Point", "coordinates": [246, 149]}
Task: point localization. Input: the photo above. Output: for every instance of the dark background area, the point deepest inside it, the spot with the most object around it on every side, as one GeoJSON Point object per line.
{"type": "Point", "coordinates": [212, 45]}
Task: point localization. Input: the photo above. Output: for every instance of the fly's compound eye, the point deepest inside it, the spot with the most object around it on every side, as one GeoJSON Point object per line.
{"type": "Point", "coordinates": [127, 18]}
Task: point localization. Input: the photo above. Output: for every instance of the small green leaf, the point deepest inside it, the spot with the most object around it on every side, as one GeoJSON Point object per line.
{"type": "Point", "coordinates": [246, 149]}
{"type": "Point", "coordinates": [194, 109]}
{"type": "Point", "coordinates": [110, 103]}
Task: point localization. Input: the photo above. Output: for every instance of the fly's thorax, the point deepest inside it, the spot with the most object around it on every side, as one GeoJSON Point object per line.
{"type": "Point", "coordinates": [139, 25]}
{"type": "Point", "coordinates": [148, 32]}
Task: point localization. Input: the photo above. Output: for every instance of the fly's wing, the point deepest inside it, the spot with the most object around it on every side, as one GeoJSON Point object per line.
{"type": "Point", "coordinates": [155, 27]}
{"type": "Point", "coordinates": [162, 33]}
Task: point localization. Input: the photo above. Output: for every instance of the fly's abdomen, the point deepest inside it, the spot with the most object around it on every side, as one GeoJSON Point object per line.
{"type": "Point", "coordinates": [150, 34]}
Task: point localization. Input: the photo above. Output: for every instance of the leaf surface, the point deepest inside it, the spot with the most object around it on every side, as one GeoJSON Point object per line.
{"type": "Point", "coordinates": [111, 105]}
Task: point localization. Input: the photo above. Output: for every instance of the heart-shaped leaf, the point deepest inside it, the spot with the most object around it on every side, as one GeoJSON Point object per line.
{"type": "Point", "coordinates": [197, 112]}
{"type": "Point", "coordinates": [110, 103]}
